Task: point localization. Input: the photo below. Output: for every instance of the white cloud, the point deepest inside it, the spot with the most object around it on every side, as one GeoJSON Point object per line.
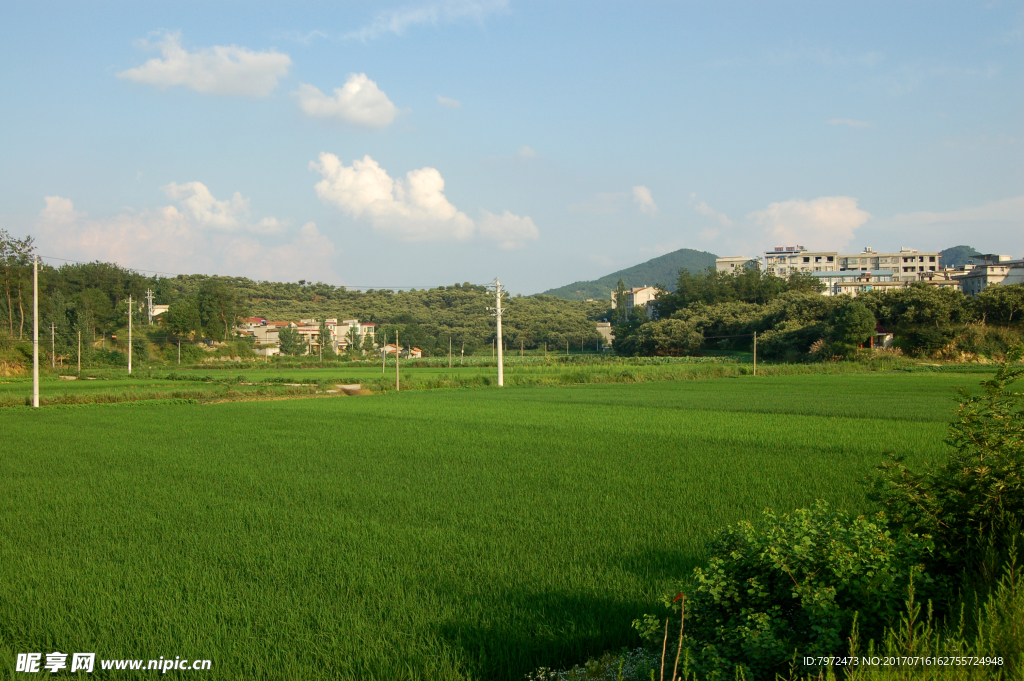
{"type": "Point", "coordinates": [526, 153]}
{"type": "Point", "coordinates": [359, 101]}
{"type": "Point", "coordinates": [511, 231]}
{"type": "Point", "coordinates": [644, 201]}
{"type": "Point", "coordinates": [199, 204]}
{"type": "Point", "coordinates": [414, 208]}
{"type": "Point", "coordinates": [221, 70]}
{"type": "Point", "coordinates": [828, 222]}
{"type": "Point", "coordinates": [449, 102]}
{"type": "Point", "coordinates": [721, 218]}
{"type": "Point", "coordinates": [443, 11]}
{"type": "Point", "coordinates": [996, 227]}
{"type": "Point", "coordinates": [171, 240]}
{"type": "Point", "coordinates": [849, 122]}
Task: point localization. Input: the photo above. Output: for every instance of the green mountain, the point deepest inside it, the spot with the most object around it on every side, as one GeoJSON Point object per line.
{"type": "Point", "coordinates": [662, 270]}
{"type": "Point", "coordinates": [957, 255]}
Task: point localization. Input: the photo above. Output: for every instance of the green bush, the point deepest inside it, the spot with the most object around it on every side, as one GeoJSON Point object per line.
{"type": "Point", "coordinates": [795, 584]}
{"type": "Point", "coordinates": [976, 496]}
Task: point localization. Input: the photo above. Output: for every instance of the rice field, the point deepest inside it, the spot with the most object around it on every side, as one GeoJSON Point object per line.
{"type": "Point", "coordinates": [433, 534]}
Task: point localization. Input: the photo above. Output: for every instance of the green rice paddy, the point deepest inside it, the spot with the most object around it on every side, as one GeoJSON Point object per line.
{"type": "Point", "coordinates": [432, 534]}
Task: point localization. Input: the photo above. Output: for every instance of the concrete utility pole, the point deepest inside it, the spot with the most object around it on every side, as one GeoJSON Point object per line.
{"type": "Point", "coordinates": [449, 352]}
{"type": "Point", "coordinates": [129, 335]}
{"type": "Point", "coordinates": [149, 305]}
{"type": "Point", "coordinates": [79, 353]}
{"type": "Point", "coordinates": [35, 332]}
{"type": "Point", "coordinates": [179, 351]}
{"type": "Point", "coordinates": [384, 353]}
{"type": "Point", "coordinates": [53, 349]}
{"type": "Point", "coordinates": [496, 313]}
{"type": "Point", "coordinates": [755, 353]}
{"type": "Point", "coordinates": [398, 351]}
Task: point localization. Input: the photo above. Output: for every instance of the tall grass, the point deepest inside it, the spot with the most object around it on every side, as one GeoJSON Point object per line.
{"type": "Point", "coordinates": [465, 534]}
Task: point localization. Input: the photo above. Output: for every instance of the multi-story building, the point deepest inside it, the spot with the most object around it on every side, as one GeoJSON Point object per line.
{"type": "Point", "coordinates": [736, 263]}
{"type": "Point", "coordinates": [784, 261]}
{"type": "Point", "coordinates": [850, 281]}
{"type": "Point", "coordinates": [907, 265]}
{"type": "Point", "coordinates": [638, 295]}
{"type": "Point", "coordinates": [985, 270]}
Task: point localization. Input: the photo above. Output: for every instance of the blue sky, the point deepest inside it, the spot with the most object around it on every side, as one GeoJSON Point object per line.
{"type": "Point", "coordinates": [427, 143]}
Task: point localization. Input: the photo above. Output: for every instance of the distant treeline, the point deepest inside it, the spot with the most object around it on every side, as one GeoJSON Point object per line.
{"type": "Point", "coordinates": [92, 299]}
{"type": "Point", "coordinates": [716, 311]}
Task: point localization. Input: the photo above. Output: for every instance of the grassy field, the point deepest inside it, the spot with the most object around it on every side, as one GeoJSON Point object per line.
{"type": "Point", "coordinates": [434, 534]}
{"type": "Point", "coordinates": [290, 378]}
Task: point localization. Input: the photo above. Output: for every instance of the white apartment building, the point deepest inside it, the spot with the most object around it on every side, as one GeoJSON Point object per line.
{"type": "Point", "coordinates": [907, 265]}
{"type": "Point", "coordinates": [735, 263]}
{"type": "Point", "coordinates": [638, 295]}
{"type": "Point", "coordinates": [783, 261]}
{"type": "Point", "coordinates": [990, 269]}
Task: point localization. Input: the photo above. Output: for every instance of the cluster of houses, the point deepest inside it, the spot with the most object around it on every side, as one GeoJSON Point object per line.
{"type": "Point", "coordinates": [870, 270]}
{"type": "Point", "coordinates": [344, 336]}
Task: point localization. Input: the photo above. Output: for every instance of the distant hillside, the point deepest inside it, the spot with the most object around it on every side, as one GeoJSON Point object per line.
{"type": "Point", "coordinates": [661, 270]}
{"type": "Point", "coordinates": [957, 255]}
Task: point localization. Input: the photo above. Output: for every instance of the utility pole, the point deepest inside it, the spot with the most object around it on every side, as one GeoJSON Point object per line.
{"type": "Point", "coordinates": [129, 335]}
{"type": "Point", "coordinates": [496, 313]}
{"type": "Point", "coordinates": [463, 355]}
{"type": "Point", "coordinates": [398, 385]}
{"type": "Point", "coordinates": [179, 351]}
{"type": "Point", "coordinates": [79, 353]}
{"type": "Point", "coordinates": [449, 352]}
{"type": "Point", "coordinates": [35, 332]}
{"type": "Point", "coordinates": [149, 306]}
{"type": "Point", "coordinates": [520, 347]}
{"type": "Point", "coordinates": [755, 353]}
{"type": "Point", "coordinates": [384, 353]}
{"type": "Point", "coordinates": [53, 349]}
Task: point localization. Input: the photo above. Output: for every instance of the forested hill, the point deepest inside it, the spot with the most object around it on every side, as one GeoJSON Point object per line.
{"type": "Point", "coordinates": [957, 256]}
{"type": "Point", "coordinates": [661, 270]}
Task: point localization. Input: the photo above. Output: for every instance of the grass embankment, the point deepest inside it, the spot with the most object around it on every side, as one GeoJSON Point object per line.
{"type": "Point", "coordinates": [473, 534]}
{"type": "Point", "coordinates": [289, 378]}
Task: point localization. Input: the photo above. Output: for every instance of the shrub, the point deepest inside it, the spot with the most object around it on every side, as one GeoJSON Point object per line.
{"type": "Point", "coordinates": [795, 585]}
{"type": "Point", "coordinates": [976, 496]}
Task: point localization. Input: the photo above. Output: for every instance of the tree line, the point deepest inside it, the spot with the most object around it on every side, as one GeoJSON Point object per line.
{"type": "Point", "coordinates": [91, 299]}
{"type": "Point", "coordinates": [716, 311]}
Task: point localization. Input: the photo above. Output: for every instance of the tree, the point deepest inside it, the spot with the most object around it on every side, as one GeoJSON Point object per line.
{"type": "Point", "coordinates": [183, 318]}
{"type": "Point", "coordinates": [219, 308]}
{"type": "Point", "coordinates": [852, 325]}
{"type": "Point", "coordinates": [1001, 304]}
{"type": "Point", "coordinates": [325, 338]}
{"type": "Point", "coordinates": [290, 340]}
{"type": "Point", "coordinates": [15, 259]}
{"type": "Point", "coordinates": [620, 303]}
{"type": "Point", "coordinates": [975, 496]}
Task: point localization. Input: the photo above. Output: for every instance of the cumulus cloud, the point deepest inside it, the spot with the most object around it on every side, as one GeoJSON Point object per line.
{"type": "Point", "coordinates": [449, 102]}
{"type": "Point", "coordinates": [509, 230]}
{"type": "Point", "coordinates": [644, 201]}
{"type": "Point", "coordinates": [992, 227]}
{"type": "Point", "coordinates": [849, 122]}
{"type": "Point", "coordinates": [181, 238]}
{"type": "Point", "coordinates": [444, 11]}
{"type": "Point", "coordinates": [704, 209]}
{"type": "Point", "coordinates": [526, 153]}
{"type": "Point", "coordinates": [358, 101]}
{"type": "Point", "coordinates": [825, 222]}
{"type": "Point", "coordinates": [220, 70]}
{"type": "Point", "coordinates": [414, 208]}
